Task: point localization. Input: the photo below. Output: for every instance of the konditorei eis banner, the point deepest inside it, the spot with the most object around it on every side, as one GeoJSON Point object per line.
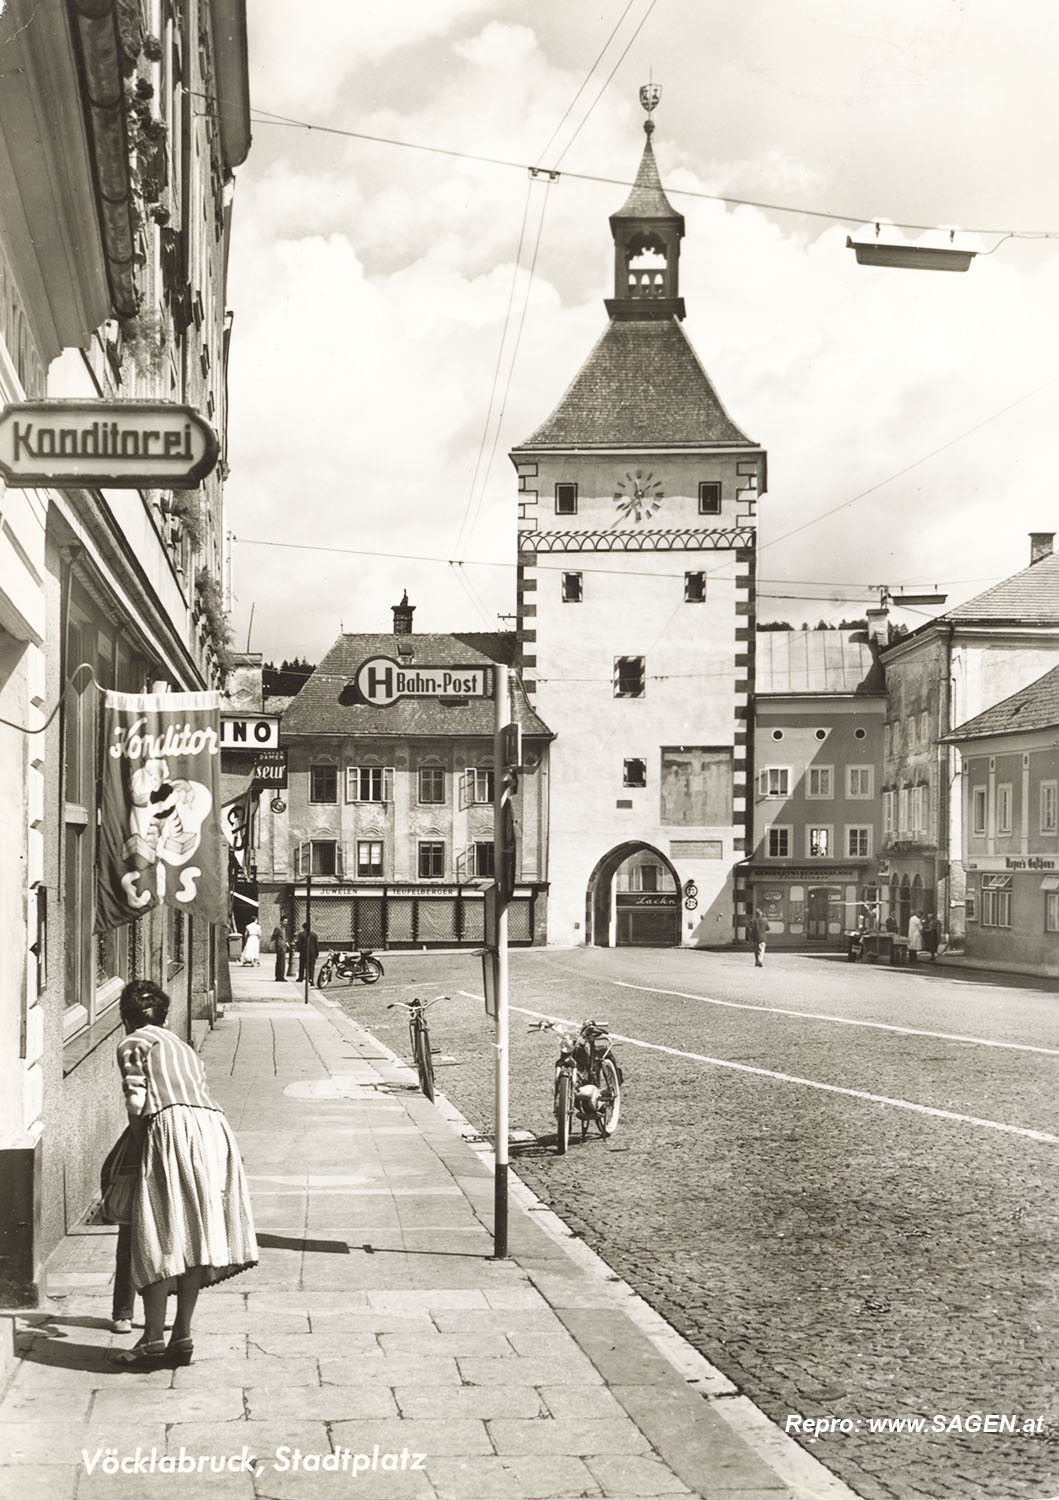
{"type": "Point", "coordinates": [160, 836]}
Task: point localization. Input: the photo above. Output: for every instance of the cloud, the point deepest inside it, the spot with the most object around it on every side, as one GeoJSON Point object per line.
{"type": "Point", "coordinates": [371, 285]}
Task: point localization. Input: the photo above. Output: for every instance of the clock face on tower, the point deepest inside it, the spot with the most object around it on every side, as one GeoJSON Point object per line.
{"type": "Point", "coordinates": [638, 495]}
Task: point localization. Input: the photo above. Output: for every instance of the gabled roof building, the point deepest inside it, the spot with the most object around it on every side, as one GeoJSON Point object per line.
{"type": "Point", "coordinates": [949, 672]}
{"type": "Point", "coordinates": [389, 804]}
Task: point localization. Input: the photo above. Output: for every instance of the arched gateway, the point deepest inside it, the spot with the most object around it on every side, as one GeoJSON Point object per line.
{"type": "Point", "coordinates": [633, 899]}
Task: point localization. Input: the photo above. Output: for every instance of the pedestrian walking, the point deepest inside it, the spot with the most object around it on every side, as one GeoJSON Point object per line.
{"type": "Point", "coordinates": [279, 948]}
{"type": "Point", "coordinates": [123, 1302]}
{"type": "Point", "coordinates": [252, 943]}
{"type": "Point", "coordinates": [308, 946]}
{"type": "Point", "coordinates": [191, 1224]}
{"type": "Point", "coordinates": [915, 936]}
{"type": "Point", "coordinates": [758, 932]}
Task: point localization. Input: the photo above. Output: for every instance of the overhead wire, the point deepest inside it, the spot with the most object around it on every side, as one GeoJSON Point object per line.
{"type": "Point", "coordinates": [269, 117]}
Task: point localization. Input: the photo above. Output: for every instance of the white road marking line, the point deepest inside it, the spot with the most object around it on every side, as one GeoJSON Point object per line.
{"type": "Point", "coordinates": [808, 1015]}
{"type": "Point", "coordinates": [812, 1083]}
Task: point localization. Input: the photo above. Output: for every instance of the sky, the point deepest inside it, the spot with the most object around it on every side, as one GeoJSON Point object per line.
{"type": "Point", "coordinates": [410, 301]}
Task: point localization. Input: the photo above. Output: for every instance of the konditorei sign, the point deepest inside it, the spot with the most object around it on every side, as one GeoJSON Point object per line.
{"type": "Point", "coordinates": [116, 444]}
{"type": "Point", "coordinates": [381, 681]}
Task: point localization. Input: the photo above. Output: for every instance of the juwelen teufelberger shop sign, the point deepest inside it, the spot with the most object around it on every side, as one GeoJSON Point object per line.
{"type": "Point", "coordinates": [160, 837]}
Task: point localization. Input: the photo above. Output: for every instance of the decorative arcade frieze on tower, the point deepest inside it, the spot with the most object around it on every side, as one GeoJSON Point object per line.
{"type": "Point", "coordinates": [637, 511]}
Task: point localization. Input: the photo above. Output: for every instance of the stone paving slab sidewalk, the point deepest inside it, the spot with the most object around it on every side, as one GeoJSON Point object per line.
{"type": "Point", "coordinates": [378, 1350]}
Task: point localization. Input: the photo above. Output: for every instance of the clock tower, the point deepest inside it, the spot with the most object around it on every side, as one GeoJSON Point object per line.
{"type": "Point", "coordinates": [636, 554]}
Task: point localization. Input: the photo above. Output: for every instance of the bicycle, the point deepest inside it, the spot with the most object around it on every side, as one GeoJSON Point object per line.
{"type": "Point", "coordinates": [588, 1080]}
{"type": "Point", "coordinates": [419, 1036]}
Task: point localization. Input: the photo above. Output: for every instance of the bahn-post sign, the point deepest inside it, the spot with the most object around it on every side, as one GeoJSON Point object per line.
{"type": "Point", "coordinates": [116, 444]}
{"type": "Point", "coordinates": [380, 681]}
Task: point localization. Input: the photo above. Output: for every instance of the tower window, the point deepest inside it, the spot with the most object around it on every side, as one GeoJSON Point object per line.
{"type": "Point", "coordinates": [566, 499]}
{"type": "Point", "coordinates": [573, 588]}
{"type": "Point", "coordinates": [628, 677]}
{"type": "Point", "coordinates": [635, 773]}
{"type": "Point", "coordinates": [709, 497]}
{"type": "Point", "coordinates": [694, 588]}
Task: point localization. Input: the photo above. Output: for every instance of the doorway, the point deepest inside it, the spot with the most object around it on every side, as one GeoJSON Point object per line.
{"type": "Point", "coordinates": [633, 900]}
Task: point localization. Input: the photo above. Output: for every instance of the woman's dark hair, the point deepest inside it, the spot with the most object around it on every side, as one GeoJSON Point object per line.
{"type": "Point", "coordinates": [143, 1003]}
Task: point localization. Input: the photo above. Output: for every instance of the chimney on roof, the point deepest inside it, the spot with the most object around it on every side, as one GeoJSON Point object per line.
{"type": "Point", "coordinates": [402, 616]}
{"type": "Point", "coordinates": [1040, 545]}
{"type": "Point", "coordinates": [878, 625]}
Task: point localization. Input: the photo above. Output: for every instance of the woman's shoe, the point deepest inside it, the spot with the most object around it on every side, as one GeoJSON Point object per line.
{"type": "Point", "coordinates": [141, 1356]}
{"type": "Point", "coordinates": [179, 1351]}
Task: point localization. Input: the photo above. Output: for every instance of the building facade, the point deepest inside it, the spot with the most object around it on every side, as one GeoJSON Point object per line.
{"type": "Point", "coordinates": [637, 503]}
{"type": "Point", "coordinates": [818, 722]}
{"type": "Point", "coordinates": [1010, 843]}
{"type": "Point", "coordinates": [946, 673]}
{"type": "Point", "coordinates": [391, 806]}
{"type": "Point", "coordinates": [115, 198]}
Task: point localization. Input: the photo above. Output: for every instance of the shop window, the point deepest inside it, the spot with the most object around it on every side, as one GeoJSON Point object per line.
{"type": "Point", "coordinates": [1051, 911]}
{"type": "Point", "coordinates": [774, 781]}
{"type": "Point", "coordinates": [821, 782]}
{"type": "Point", "coordinates": [709, 497]}
{"type": "Point", "coordinates": [628, 677]}
{"type": "Point", "coordinates": [431, 784]}
{"type": "Point", "coordinates": [323, 783]}
{"type": "Point", "coordinates": [635, 773]}
{"type": "Point", "coordinates": [431, 860]}
{"type": "Point", "coordinates": [996, 901]}
{"type": "Point", "coordinates": [369, 783]}
{"type": "Point", "coordinates": [1049, 807]}
{"type": "Point", "coordinates": [97, 964]}
{"type": "Point", "coordinates": [818, 842]}
{"type": "Point", "coordinates": [858, 841]}
{"type": "Point", "coordinates": [694, 588]}
{"type": "Point", "coordinates": [566, 499]}
{"type": "Point", "coordinates": [860, 782]}
{"type": "Point", "coordinates": [573, 588]}
{"type": "Point", "coordinates": [369, 859]}
{"type": "Point", "coordinates": [779, 842]}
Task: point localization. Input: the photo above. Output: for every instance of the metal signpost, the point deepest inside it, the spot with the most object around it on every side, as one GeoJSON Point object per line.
{"type": "Point", "coordinates": [500, 996]}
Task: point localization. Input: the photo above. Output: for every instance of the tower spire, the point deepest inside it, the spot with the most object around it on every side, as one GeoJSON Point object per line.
{"type": "Point", "coordinates": [647, 232]}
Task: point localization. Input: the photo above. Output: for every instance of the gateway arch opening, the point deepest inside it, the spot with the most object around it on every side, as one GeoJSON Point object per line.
{"type": "Point", "coordinates": [633, 900]}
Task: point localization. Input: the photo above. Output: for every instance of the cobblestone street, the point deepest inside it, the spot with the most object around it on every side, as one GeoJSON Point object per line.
{"type": "Point", "coordinates": [838, 1183]}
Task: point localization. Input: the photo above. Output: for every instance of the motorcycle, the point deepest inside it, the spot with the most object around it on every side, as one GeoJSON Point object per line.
{"type": "Point", "coordinates": [363, 965]}
{"type": "Point", "coordinates": [588, 1080]}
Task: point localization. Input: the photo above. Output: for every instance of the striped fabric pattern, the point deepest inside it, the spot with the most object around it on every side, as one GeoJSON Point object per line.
{"type": "Point", "coordinates": [158, 1069]}
{"type": "Point", "coordinates": [193, 1203]}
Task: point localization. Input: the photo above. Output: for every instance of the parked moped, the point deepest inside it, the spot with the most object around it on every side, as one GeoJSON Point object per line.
{"type": "Point", "coordinates": [363, 965]}
{"type": "Point", "coordinates": [588, 1079]}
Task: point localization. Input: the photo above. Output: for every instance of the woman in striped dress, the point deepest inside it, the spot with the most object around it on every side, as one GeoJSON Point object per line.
{"type": "Point", "coordinates": [191, 1219]}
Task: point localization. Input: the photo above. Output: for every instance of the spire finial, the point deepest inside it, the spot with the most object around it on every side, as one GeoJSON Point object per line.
{"type": "Point", "coordinates": [650, 93]}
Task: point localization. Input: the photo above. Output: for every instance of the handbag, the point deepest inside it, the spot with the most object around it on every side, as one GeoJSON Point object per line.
{"type": "Point", "coordinates": [117, 1178]}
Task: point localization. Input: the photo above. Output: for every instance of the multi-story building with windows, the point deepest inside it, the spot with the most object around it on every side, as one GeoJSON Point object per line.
{"type": "Point", "coordinates": [1010, 845]}
{"type": "Point", "coordinates": [637, 514]}
{"type": "Point", "coordinates": [943, 674]}
{"type": "Point", "coordinates": [120, 127]}
{"type": "Point", "coordinates": [390, 808]}
{"type": "Point", "coordinates": [818, 718]}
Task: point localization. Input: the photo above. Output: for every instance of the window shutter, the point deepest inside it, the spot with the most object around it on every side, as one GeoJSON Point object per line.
{"type": "Point", "coordinates": [352, 775]}
{"type": "Point", "coordinates": [465, 790]}
{"type": "Point", "coordinates": [387, 784]}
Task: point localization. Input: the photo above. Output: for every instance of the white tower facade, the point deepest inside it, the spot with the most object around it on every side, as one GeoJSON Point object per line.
{"type": "Point", "coordinates": [636, 613]}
